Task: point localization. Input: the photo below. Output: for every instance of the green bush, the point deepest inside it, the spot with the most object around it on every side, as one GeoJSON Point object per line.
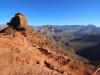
{"type": "Point", "coordinates": [95, 63]}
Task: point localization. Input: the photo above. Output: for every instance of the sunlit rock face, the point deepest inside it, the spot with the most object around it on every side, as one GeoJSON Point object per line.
{"type": "Point", "coordinates": [18, 21]}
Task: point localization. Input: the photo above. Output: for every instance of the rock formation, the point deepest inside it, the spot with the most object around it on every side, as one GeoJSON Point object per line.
{"type": "Point", "coordinates": [18, 21]}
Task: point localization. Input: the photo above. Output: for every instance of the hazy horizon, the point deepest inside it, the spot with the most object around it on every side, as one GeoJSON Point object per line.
{"type": "Point", "coordinates": [56, 25]}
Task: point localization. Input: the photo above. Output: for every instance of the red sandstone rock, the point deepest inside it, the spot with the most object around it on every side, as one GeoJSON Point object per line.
{"type": "Point", "coordinates": [18, 21]}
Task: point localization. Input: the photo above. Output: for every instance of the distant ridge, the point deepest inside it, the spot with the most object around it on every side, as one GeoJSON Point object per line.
{"type": "Point", "coordinates": [89, 38]}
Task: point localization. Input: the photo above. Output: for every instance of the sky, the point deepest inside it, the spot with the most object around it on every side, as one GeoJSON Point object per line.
{"type": "Point", "coordinates": [53, 12]}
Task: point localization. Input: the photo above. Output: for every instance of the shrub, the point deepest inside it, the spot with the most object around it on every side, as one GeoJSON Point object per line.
{"type": "Point", "coordinates": [9, 31]}
{"type": "Point", "coordinates": [95, 63]}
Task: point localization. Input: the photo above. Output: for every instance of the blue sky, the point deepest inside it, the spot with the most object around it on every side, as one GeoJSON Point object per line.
{"type": "Point", "coordinates": [54, 12]}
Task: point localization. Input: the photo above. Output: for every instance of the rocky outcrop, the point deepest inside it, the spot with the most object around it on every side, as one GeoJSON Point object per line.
{"type": "Point", "coordinates": [18, 21]}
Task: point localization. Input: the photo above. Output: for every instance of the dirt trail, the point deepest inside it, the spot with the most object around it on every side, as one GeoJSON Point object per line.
{"type": "Point", "coordinates": [20, 57]}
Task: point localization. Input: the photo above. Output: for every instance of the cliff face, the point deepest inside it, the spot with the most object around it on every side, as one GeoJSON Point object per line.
{"type": "Point", "coordinates": [89, 38]}
{"type": "Point", "coordinates": [91, 53]}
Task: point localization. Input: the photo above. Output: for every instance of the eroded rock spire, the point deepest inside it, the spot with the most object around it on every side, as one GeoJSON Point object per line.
{"type": "Point", "coordinates": [18, 21]}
